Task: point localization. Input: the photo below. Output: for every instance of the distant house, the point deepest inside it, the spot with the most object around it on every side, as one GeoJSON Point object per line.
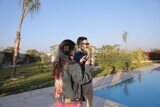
{"type": "Point", "coordinates": [53, 56]}
{"type": "Point", "coordinates": [48, 59]}
{"type": "Point", "coordinates": [54, 53]}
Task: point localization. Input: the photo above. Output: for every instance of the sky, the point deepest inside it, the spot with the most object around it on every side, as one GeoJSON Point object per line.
{"type": "Point", "coordinates": [101, 21]}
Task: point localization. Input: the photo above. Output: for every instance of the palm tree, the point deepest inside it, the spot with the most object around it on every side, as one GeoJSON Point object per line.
{"type": "Point", "coordinates": [125, 36]}
{"type": "Point", "coordinates": [28, 7]}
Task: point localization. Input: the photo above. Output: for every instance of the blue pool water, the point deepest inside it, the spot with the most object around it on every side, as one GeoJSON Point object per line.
{"type": "Point", "coordinates": [143, 90]}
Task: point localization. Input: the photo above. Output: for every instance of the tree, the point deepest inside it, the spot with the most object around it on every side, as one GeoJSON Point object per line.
{"type": "Point", "coordinates": [45, 58]}
{"type": "Point", "coordinates": [154, 54]}
{"type": "Point", "coordinates": [111, 57]}
{"type": "Point", "coordinates": [32, 52]}
{"type": "Point", "coordinates": [7, 55]}
{"type": "Point", "coordinates": [125, 36]}
{"type": "Point", "coordinates": [139, 55]}
{"type": "Point", "coordinates": [108, 49]}
{"type": "Point", "coordinates": [28, 7]}
{"type": "Point", "coordinates": [9, 49]}
{"type": "Point", "coordinates": [33, 55]}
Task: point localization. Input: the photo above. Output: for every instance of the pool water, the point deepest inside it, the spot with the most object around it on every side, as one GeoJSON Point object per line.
{"type": "Point", "coordinates": [143, 90]}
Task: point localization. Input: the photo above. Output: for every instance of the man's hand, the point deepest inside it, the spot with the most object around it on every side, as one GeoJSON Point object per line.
{"type": "Point", "coordinates": [88, 62]}
{"type": "Point", "coordinates": [82, 59]}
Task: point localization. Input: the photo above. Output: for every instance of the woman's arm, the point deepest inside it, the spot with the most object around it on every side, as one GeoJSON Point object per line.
{"type": "Point", "coordinates": [79, 76]}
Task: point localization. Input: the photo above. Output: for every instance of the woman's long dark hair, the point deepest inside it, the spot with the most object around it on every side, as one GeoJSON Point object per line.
{"type": "Point", "coordinates": [65, 48]}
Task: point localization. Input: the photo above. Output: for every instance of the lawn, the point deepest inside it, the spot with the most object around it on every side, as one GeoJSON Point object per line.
{"type": "Point", "coordinates": [29, 77]}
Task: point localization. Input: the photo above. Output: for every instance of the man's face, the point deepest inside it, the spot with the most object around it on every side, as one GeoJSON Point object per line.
{"type": "Point", "coordinates": [84, 44]}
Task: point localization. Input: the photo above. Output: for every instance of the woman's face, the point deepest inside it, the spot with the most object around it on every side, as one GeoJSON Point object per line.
{"type": "Point", "coordinates": [72, 52]}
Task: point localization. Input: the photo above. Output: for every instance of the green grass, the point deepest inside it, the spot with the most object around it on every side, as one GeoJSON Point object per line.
{"type": "Point", "coordinates": [29, 77]}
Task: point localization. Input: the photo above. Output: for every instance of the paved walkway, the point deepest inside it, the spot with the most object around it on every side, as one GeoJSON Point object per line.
{"type": "Point", "coordinates": [44, 97]}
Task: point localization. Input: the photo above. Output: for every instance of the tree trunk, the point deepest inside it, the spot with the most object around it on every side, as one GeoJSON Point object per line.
{"type": "Point", "coordinates": [17, 43]}
{"type": "Point", "coordinates": [126, 48]}
{"type": "Point", "coordinates": [16, 50]}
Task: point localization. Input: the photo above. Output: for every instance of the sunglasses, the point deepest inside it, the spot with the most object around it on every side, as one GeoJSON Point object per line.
{"type": "Point", "coordinates": [85, 43]}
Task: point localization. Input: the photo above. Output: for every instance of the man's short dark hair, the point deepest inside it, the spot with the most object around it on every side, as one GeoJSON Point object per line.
{"type": "Point", "coordinates": [80, 39]}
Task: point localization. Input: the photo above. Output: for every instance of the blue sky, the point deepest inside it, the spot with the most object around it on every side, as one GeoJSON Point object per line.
{"type": "Point", "coordinates": [102, 21]}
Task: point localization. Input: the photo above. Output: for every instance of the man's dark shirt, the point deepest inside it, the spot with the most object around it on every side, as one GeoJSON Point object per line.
{"type": "Point", "coordinates": [78, 55]}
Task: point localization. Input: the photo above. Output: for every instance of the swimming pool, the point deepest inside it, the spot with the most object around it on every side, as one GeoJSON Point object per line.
{"type": "Point", "coordinates": [143, 90]}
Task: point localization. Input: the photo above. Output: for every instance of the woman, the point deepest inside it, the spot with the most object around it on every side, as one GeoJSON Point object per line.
{"type": "Point", "coordinates": [68, 76]}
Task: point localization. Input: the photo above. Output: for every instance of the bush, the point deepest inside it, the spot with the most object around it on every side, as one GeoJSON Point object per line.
{"type": "Point", "coordinates": [30, 58]}
{"type": "Point", "coordinates": [154, 55]}
{"type": "Point", "coordinates": [0, 65]}
{"type": "Point", "coordinates": [43, 67]}
{"type": "Point", "coordinates": [116, 61]}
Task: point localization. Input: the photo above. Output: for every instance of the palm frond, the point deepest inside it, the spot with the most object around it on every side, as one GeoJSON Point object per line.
{"type": "Point", "coordinates": [32, 6]}
{"type": "Point", "coordinates": [124, 36]}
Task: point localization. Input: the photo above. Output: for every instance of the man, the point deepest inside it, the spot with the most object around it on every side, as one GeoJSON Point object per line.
{"type": "Point", "coordinates": [81, 56]}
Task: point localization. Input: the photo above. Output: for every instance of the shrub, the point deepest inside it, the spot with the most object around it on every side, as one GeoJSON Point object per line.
{"type": "Point", "coordinates": [43, 67]}
{"type": "Point", "coordinates": [116, 61]}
